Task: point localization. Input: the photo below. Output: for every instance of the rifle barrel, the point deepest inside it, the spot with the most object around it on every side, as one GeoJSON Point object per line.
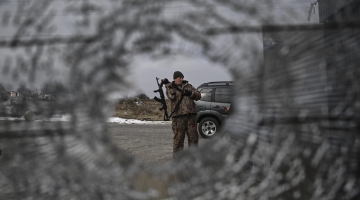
{"type": "Point", "coordinates": [157, 99]}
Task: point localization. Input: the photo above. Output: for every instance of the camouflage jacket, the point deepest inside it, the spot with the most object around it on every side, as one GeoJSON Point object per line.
{"type": "Point", "coordinates": [187, 105]}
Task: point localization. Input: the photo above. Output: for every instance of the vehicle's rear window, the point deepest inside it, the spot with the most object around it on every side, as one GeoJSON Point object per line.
{"type": "Point", "coordinates": [206, 94]}
{"type": "Point", "coordinates": [223, 95]}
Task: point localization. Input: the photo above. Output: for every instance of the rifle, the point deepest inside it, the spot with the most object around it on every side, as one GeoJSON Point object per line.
{"type": "Point", "coordinates": [162, 99]}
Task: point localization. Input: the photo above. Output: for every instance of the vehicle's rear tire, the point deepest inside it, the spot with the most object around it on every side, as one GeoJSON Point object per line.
{"type": "Point", "coordinates": [208, 127]}
{"type": "Point", "coordinates": [29, 116]}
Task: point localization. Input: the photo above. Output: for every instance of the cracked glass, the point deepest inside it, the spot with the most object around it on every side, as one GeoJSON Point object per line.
{"type": "Point", "coordinates": [293, 130]}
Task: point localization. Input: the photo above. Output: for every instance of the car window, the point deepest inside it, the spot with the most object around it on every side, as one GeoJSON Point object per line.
{"type": "Point", "coordinates": [206, 94]}
{"type": "Point", "coordinates": [223, 95]}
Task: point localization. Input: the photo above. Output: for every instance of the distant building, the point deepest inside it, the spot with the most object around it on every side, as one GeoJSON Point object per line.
{"type": "Point", "coordinates": [314, 73]}
{"type": "Point", "coordinates": [294, 65]}
{"type": "Point", "coordinates": [339, 11]}
{"type": "Point", "coordinates": [342, 50]}
{"type": "Point", "coordinates": [341, 45]}
{"type": "Point", "coordinates": [318, 61]}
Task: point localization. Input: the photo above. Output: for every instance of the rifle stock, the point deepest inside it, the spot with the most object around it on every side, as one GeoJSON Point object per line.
{"type": "Point", "coordinates": [157, 99]}
{"type": "Point", "coordinates": [161, 99]}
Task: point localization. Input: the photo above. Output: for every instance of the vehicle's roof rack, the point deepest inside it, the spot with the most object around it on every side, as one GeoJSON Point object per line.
{"type": "Point", "coordinates": [217, 83]}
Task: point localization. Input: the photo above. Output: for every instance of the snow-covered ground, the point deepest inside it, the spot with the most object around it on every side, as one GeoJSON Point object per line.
{"type": "Point", "coordinates": [118, 120]}
{"type": "Point", "coordinates": [115, 120]}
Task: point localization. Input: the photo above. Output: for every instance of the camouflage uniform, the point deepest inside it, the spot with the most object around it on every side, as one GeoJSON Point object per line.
{"type": "Point", "coordinates": [184, 118]}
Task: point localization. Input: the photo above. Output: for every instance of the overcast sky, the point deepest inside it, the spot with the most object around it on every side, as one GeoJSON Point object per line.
{"type": "Point", "coordinates": [143, 72]}
{"type": "Point", "coordinates": [195, 70]}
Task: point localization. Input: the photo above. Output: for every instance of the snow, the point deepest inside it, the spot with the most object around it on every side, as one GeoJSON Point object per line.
{"type": "Point", "coordinates": [114, 120]}
{"type": "Point", "coordinates": [118, 120]}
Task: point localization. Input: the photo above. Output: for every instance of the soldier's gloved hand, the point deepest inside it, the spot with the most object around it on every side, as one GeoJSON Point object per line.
{"type": "Point", "coordinates": [165, 81]}
{"type": "Point", "coordinates": [187, 92]}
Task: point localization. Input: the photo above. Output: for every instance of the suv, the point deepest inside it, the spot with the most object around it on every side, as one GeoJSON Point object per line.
{"type": "Point", "coordinates": [210, 108]}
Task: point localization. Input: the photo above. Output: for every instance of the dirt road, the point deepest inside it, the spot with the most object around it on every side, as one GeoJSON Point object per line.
{"type": "Point", "coordinates": [150, 143]}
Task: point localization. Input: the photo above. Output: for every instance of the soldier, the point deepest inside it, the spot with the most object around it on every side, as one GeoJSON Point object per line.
{"type": "Point", "coordinates": [182, 96]}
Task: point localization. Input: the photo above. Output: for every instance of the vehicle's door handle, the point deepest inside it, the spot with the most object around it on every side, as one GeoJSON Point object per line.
{"type": "Point", "coordinates": [217, 106]}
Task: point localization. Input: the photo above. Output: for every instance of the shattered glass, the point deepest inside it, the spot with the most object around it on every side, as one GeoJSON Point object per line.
{"type": "Point", "coordinates": [293, 131]}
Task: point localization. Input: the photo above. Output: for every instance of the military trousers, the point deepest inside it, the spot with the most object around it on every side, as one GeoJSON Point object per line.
{"type": "Point", "coordinates": [181, 125]}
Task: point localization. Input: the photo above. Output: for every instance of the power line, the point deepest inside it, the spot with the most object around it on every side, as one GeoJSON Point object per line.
{"type": "Point", "coordinates": [193, 6]}
{"type": "Point", "coordinates": [48, 41]}
{"type": "Point", "coordinates": [59, 39]}
{"type": "Point", "coordinates": [74, 15]}
{"type": "Point", "coordinates": [33, 1]}
{"type": "Point", "coordinates": [187, 6]}
{"type": "Point", "coordinates": [278, 28]}
{"type": "Point", "coordinates": [62, 10]}
{"type": "Point", "coordinates": [92, 14]}
{"type": "Point", "coordinates": [295, 2]}
{"type": "Point", "coordinates": [87, 0]}
{"type": "Point", "coordinates": [38, 35]}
